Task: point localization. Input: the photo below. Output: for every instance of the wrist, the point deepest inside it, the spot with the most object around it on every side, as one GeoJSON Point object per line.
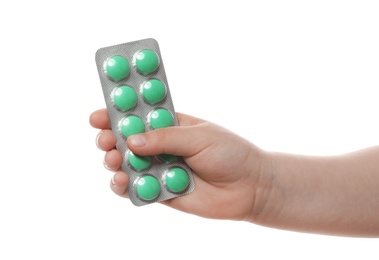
{"type": "Point", "coordinates": [267, 200]}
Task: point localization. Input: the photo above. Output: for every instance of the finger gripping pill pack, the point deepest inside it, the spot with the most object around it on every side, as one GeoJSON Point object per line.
{"type": "Point", "coordinates": [138, 100]}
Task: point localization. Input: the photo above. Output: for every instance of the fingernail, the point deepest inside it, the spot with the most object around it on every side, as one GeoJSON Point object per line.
{"type": "Point", "coordinates": [97, 139]}
{"type": "Point", "coordinates": [105, 165]}
{"type": "Point", "coordinates": [137, 140]}
{"type": "Point", "coordinates": [112, 180]}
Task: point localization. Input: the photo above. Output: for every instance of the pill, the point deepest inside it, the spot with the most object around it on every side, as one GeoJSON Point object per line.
{"type": "Point", "coordinates": [176, 179]}
{"type": "Point", "coordinates": [146, 61]}
{"type": "Point", "coordinates": [117, 68]}
{"type": "Point", "coordinates": [124, 98]}
{"type": "Point", "coordinates": [167, 158]}
{"type": "Point", "coordinates": [139, 163]}
{"type": "Point", "coordinates": [147, 187]}
{"type": "Point", "coordinates": [131, 125]}
{"type": "Point", "coordinates": [153, 91]}
{"type": "Point", "coordinates": [160, 118]}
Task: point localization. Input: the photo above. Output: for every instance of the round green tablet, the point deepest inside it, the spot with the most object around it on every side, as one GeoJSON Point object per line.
{"type": "Point", "coordinates": [131, 125]}
{"type": "Point", "coordinates": [124, 98]}
{"type": "Point", "coordinates": [176, 179]}
{"type": "Point", "coordinates": [167, 158]}
{"type": "Point", "coordinates": [160, 118]}
{"type": "Point", "coordinates": [146, 61]}
{"type": "Point", "coordinates": [139, 163]}
{"type": "Point", "coordinates": [117, 68]}
{"type": "Point", "coordinates": [148, 187]}
{"type": "Point", "coordinates": [153, 91]}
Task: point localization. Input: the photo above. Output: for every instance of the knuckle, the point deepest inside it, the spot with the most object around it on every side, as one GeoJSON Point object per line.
{"type": "Point", "coordinates": [162, 134]}
{"type": "Point", "coordinates": [157, 140]}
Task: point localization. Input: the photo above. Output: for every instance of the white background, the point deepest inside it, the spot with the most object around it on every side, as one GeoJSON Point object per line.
{"type": "Point", "coordinates": [290, 76]}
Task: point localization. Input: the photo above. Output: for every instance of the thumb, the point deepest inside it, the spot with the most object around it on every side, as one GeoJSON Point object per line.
{"type": "Point", "coordinates": [177, 140]}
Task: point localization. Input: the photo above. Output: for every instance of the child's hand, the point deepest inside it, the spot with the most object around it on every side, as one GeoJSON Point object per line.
{"type": "Point", "coordinates": [229, 180]}
{"type": "Point", "coordinates": [236, 180]}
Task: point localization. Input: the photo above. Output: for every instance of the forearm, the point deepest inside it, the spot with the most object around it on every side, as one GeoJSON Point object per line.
{"type": "Point", "coordinates": [331, 195]}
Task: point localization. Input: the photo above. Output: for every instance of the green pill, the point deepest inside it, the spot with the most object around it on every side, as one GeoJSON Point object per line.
{"type": "Point", "coordinates": [146, 61]}
{"type": "Point", "coordinates": [148, 187]}
{"type": "Point", "coordinates": [176, 180]}
{"type": "Point", "coordinates": [167, 158]}
{"type": "Point", "coordinates": [132, 125]}
{"type": "Point", "coordinates": [160, 118]}
{"type": "Point", "coordinates": [139, 163]}
{"type": "Point", "coordinates": [117, 68]}
{"type": "Point", "coordinates": [153, 91]}
{"type": "Point", "coordinates": [124, 98]}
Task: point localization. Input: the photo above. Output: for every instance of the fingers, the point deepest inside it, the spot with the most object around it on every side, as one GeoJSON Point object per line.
{"type": "Point", "coordinates": [112, 160]}
{"type": "Point", "coordinates": [184, 141]}
{"type": "Point", "coordinates": [105, 140]}
{"type": "Point", "coordinates": [100, 119]}
{"type": "Point", "coordinates": [119, 182]}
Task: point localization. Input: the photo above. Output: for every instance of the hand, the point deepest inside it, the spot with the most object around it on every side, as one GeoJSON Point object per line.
{"type": "Point", "coordinates": [229, 181]}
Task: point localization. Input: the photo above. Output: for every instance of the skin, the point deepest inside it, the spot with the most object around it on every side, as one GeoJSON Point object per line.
{"type": "Point", "coordinates": [235, 180]}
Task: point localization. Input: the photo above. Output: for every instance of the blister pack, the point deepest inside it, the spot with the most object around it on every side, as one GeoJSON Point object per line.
{"type": "Point", "coordinates": [138, 100]}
